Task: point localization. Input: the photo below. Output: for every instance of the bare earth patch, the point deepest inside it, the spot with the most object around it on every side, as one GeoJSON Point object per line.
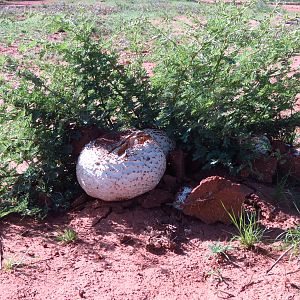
{"type": "Point", "coordinates": [291, 8]}
{"type": "Point", "coordinates": [135, 253]}
{"type": "Point", "coordinates": [24, 3]}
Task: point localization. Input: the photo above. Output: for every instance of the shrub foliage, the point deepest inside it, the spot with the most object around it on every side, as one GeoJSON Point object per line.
{"type": "Point", "coordinates": [225, 79]}
{"type": "Point", "coordinates": [76, 83]}
{"type": "Point", "coordinates": [216, 82]}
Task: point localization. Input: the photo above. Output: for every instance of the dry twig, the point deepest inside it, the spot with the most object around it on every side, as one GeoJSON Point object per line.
{"type": "Point", "coordinates": [1, 254]}
{"type": "Point", "coordinates": [250, 283]}
{"type": "Point", "coordinates": [293, 272]}
{"type": "Point", "coordinates": [280, 257]}
{"type": "Point", "coordinates": [227, 295]}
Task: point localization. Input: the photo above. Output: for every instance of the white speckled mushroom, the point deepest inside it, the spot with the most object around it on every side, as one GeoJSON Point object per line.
{"type": "Point", "coordinates": [111, 170]}
{"type": "Point", "coordinates": [261, 144]}
{"type": "Point", "coordinates": [162, 139]}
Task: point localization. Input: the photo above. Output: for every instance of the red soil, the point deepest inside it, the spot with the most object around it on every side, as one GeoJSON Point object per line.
{"type": "Point", "coordinates": [23, 3]}
{"type": "Point", "coordinates": [287, 7]}
{"type": "Point", "coordinates": [135, 253]}
{"type": "Point", "coordinates": [291, 8]}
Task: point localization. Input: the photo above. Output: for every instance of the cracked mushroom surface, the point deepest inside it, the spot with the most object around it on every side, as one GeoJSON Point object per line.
{"type": "Point", "coordinates": [120, 167]}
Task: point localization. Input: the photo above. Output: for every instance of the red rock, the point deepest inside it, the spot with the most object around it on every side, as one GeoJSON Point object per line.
{"type": "Point", "coordinates": [280, 146]}
{"type": "Point", "coordinates": [264, 168]}
{"type": "Point", "coordinates": [214, 171]}
{"type": "Point", "coordinates": [206, 200]}
{"type": "Point", "coordinates": [291, 165]}
{"type": "Point", "coordinates": [155, 198]}
{"type": "Point", "coordinates": [265, 192]}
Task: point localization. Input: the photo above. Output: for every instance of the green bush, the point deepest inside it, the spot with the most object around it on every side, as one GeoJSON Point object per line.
{"type": "Point", "coordinates": [76, 83]}
{"type": "Point", "coordinates": [216, 83]}
{"type": "Point", "coordinates": [223, 80]}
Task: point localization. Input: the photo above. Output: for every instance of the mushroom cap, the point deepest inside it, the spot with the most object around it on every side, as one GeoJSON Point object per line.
{"type": "Point", "coordinates": [162, 139]}
{"type": "Point", "coordinates": [120, 168]}
{"type": "Point", "coordinates": [261, 144]}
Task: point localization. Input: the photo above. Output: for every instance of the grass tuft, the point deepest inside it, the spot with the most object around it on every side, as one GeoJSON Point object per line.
{"type": "Point", "coordinates": [12, 264]}
{"type": "Point", "coordinates": [249, 231]}
{"type": "Point", "coordinates": [68, 236]}
{"type": "Point", "coordinates": [291, 238]}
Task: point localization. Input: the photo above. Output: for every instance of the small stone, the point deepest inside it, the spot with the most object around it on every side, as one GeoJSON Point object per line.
{"type": "Point", "coordinates": [279, 146]}
{"type": "Point", "coordinates": [81, 294]}
{"type": "Point", "coordinates": [126, 240]}
{"type": "Point", "coordinates": [31, 254]}
{"type": "Point", "coordinates": [261, 144]}
{"type": "Point", "coordinates": [181, 197]}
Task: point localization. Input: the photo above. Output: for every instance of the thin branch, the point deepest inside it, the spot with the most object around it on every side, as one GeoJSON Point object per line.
{"type": "Point", "coordinates": [228, 295]}
{"type": "Point", "coordinates": [220, 58]}
{"type": "Point", "coordinates": [10, 176]}
{"type": "Point", "coordinates": [250, 283]}
{"type": "Point", "coordinates": [280, 257]}
{"type": "Point", "coordinates": [293, 272]}
{"type": "Point", "coordinates": [1, 254]}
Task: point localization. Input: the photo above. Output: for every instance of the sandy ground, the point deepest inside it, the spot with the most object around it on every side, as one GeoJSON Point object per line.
{"type": "Point", "coordinates": [135, 253]}
{"type": "Point", "coordinates": [24, 3]}
{"type": "Point", "coordinates": [291, 8]}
